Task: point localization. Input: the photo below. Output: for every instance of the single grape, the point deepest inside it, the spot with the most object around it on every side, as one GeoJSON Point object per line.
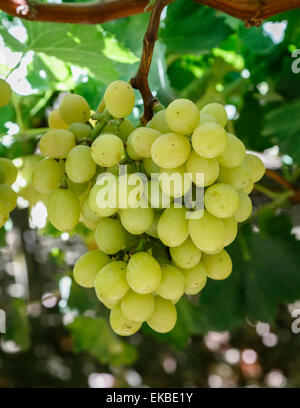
{"type": "Point", "coordinates": [74, 108]}
{"type": "Point", "coordinates": [143, 273]}
{"type": "Point", "coordinates": [102, 197]}
{"type": "Point", "coordinates": [5, 93]}
{"type": "Point", "coordinates": [150, 166]}
{"type": "Point", "coordinates": [107, 150]}
{"type": "Point", "coordinates": [55, 121]}
{"type": "Point", "coordinates": [10, 171]}
{"type": "Point", "coordinates": [158, 122]}
{"type": "Point", "coordinates": [182, 116]}
{"type": "Point", "coordinates": [121, 325]}
{"type": "Point", "coordinates": [130, 150]}
{"type": "Point", "coordinates": [245, 207]}
{"type": "Point", "coordinates": [47, 175]}
{"type": "Point", "coordinates": [110, 236]}
{"type": "Point", "coordinates": [199, 165]}
{"type": "Point", "coordinates": [141, 140]}
{"type": "Point", "coordinates": [110, 282]}
{"type": "Point", "coordinates": [218, 266]}
{"type": "Point", "coordinates": [172, 283]}
{"type": "Point", "coordinates": [234, 153]}
{"type": "Point", "coordinates": [217, 110]}
{"type": "Point", "coordinates": [257, 168]}
{"type": "Point", "coordinates": [164, 316]}
{"type": "Point", "coordinates": [4, 214]}
{"type": "Point", "coordinates": [80, 130]}
{"type": "Point", "coordinates": [231, 230]}
{"type": "Point", "coordinates": [77, 188]}
{"type": "Point", "coordinates": [87, 267]}
{"type": "Point", "coordinates": [207, 232]}
{"type": "Point", "coordinates": [152, 231]}
{"type": "Point", "coordinates": [119, 99]}
{"type": "Point", "coordinates": [136, 220]}
{"type": "Point", "coordinates": [206, 117]}
{"type": "Point", "coordinates": [186, 255]}
{"type": "Point", "coordinates": [209, 140]}
{"type": "Point", "coordinates": [137, 307]}
{"type": "Point", "coordinates": [87, 213]}
{"type": "Point", "coordinates": [249, 187]}
{"type": "Point", "coordinates": [238, 177]}
{"type": "Point", "coordinates": [57, 144]}
{"type": "Point", "coordinates": [194, 279]}
{"type": "Point", "coordinates": [172, 227]}
{"type": "Point", "coordinates": [221, 200]}
{"type": "Point", "coordinates": [80, 166]}
{"type": "Point", "coordinates": [175, 182]}
{"type": "Point", "coordinates": [63, 209]}
{"type": "Point", "coordinates": [170, 150]}
{"type": "Point", "coordinates": [155, 196]}
{"type": "Point", "coordinates": [8, 197]}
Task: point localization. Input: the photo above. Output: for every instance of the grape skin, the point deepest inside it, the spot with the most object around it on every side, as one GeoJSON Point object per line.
{"type": "Point", "coordinates": [120, 324]}
{"type": "Point", "coordinates": [182, 116]}
{"type": "Point", "coordinates": [172, 227]}
{"type": "Point", "coordinates": [209, 140]}
{"type": "Point", "coordinates": [171, 188]}
{"type": "Point", "coordinates": [47, 175]}
{"type": "Point", "coordinates": [137, 307]}
{"type": "Point", "coordinates": [74, 108]}
{"type": "Point", "coordinates": [172, 283]}
{"type": "Point", "coordinates": [136, 220]}
{"type": "Point", "coordinates": [80, 130]}
{"type": "Point", "coordinates": [5, 93]}
{"type": "Point", "coordinates": [194, 279]}
{"type": "Point", "coordinates": [109, 206]}
{"type": "Point", "coordinates": [141, 140]}
{"type": "Point", "coordinates": [238, 177]}
{"type": "Point", "coordinates": [209, 167]}
{"type": "Point", "coordinates": [218, 266]}
{"type": "Point", "coordinates": [234, 153]}
{"type": "Point", "coordinates": [119, 99]}
{"type": "Point", "coordinates": [221, 200]}
{"type": "Point", "coordinates": [257, 168]}
{"type": "Point", "coordinates": [170, 150]}
{"type": "Point", "coordinates": [55, 121]}
{"type": "Point", "coordinates": [164, 316]}
{"type": "Point", "coordinates": [8, 196]}
{"type": "Point", "coordinates": [217, 110]}
{"type": "Point", "coordinates": [110, 282]}
{"type": "Point", "coordinates": [80, 166]}
{"type": "Point", "coordinates": [245, 207]}
{"type": "Point", "coordinates": [87, 267]}
{"type": "Point", "coordinates": [110, 236]}
{"type": "Point", "coordinates": [186, 255]}
{"type": "Point", "coordinates": [107, 150]}
{"type": "Point", "coordinates": [10, 171]}
{"type": "Point", "coordinates": [158, 122]}
{"type": "Point", "coordinates": [231, 230]}
{"type": "Point", "coordinates": [57, 144]}
{"type": "Point", "coordinates": [143, 273]}
{"type": "Point", "coordinates": [63, 209]}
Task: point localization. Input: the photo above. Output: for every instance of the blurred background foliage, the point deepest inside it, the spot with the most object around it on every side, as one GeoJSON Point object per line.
{"type": "Point", "coordinates": [237, 332]}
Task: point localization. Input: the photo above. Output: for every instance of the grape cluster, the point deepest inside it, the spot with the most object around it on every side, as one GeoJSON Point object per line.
{"type": "Point", "coordinates": [150, 253]}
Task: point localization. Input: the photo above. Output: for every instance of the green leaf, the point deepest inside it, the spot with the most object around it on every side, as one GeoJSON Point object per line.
{"type": "Point", "coordinates": [18, 329]}
{"type": "Point", "coordinates": [255, 41]}
{"type": "Point", "coordinates": [11, 41]}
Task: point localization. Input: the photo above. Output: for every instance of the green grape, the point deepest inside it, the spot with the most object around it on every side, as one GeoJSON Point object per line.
{"type": "Point", "coordinates": [152, 231]}
{"type": "Point", "coordinates": [80, 166]}
{"type": "Point", "coordinates": [257, 168]}
{"type": "Point", "coordinates": [107, 150]}
{"type": "Point", "coordinates": [172, 283]}
{"type": "Point", "coordinates": [136, 220]}
{"type": "Point", "coordinates": [137, 307]}
{"type": "Point", "coordinates": [5, 93]}
{"type": "Point", "coordinates": [4, 214]}
{"type": "Point", "coordinates": [174, 182]}
{"type": "Point", "coordinates": [182, 116]}
{"type": "Point", "coordinates": [143, 273]}
{"type": "Point", "coordinates": [141, 140]}
{"type": "Point", "coordinates": [207, 233]}
{"type": "Point", "coordinates": [155, 196]}
{"type": "Point", "coordinates": [110, 282]}
{"type": "Point", "coordinates": [110, 236]}
{"type": "Point", "coordinates": [121, 325]}
{"type": "Point", "coordinates": [164, 316]}
{"type": "Point", "coordinates": [103, 196]}
{"type": "Point", "coordinates": [8, 197]}
{"type": "Point", "coordinates": [238, 177]}
{"type": "Point", "coordinates": [2, 175]}
{"type": "Point", "coordinates": [218, 266]}
{"type": "Point", "coordinates": [10, 171]}
{"type": "Point", "coordinates": [172, 227]}
{"type": "Point", "coordinates": [78, 188]}
{"type": "Point", "coordinates": [80, 130]}
{"type": "Point", "coordinates": [199, 165]}
{"type": "Point", "coordinates": [186, 255]}
{"type": "Point", "coordinates": [150, 166]}
{"type": "Point", "coordinates": [231, 230]}
{"type": "Point", "coordinates": [57, 144]}
{"type": "Point", "coordinates": [234, 153]}
{"type": "Point", "coordinates": [130, 150]}
{"type": "Point", "coordinates": [130, 191]}
{"type": "Point", "coordinates": [209, 140]}
{"type": "Point", "coordinates": [55, 121]}
{"type": "Point", "coordinates": [221, 200]}
{"type": "Point", "coordinates": [119, 99]}
{"type": "Point", "coordinates": [91, 225]}
{"type": "Point", "coordinates": [194, 279]}
{"type": "Point", "coordinates": [122, 128]}
{"type": "Point", "coordinates": [63, 209]}
{"type": "Point", "coordinates": [249, 187]}
{"type": "Point", "coordinates": [206, 117]}
{"type": "Point", "coordinates": [245, 207]}
{"type": "Point", "coordinates": [47, 175]}
{"type": "Point", "coordinates": [87, 213]}
{"type": "Point", "coordinates": [158, 122]}
{"type": "Point", "coordinates": [87, 267]}
{"type": "Point", "coordinates": [217, 110]}
{"type": "Point", "coordinates": [74, 108]}
{"type": "Point", "coordinates": [170, 150]}
{"type": "Point", "coordinates": [108, 303]}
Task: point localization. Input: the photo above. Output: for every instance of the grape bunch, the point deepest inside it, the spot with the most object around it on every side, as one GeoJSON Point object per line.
{"type": "Point", "coordinates": [150, 252]}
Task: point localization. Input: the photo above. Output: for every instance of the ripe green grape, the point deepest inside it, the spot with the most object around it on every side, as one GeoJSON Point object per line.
{"type": "Point", "coordinates": [10, 171]}
{"type": "Point", "coordinates": [221, 200]}
{"type": "Point", "coordinates": [63, 209]}
{"type": "Point", "coordinates": [108, 303]}
{"type": "Point", "coordinates": [80, 166]}
{"type": "Point", "coordinates": [164, 316]}
{"type": "Point", "coordinates": [152, 231]}
{"type": "Point", "coordinates": [207, 233]}
{"type": "Point", "coordinates": [249, 187]}
{"type": "Point", "coordinates": [158, 122]}
{"type": "Point", "coordinates": [80, 130]}
{"type": "Point", "coordinates": [78, 188]}
{"type": "Point", "coordinates": [87, 213]}
{"type": "Point", "coordinates": [141, 140]}
{"type": "Point", "coordinates": [87, 267]}
{"type": "Point", "coordinates": [257, 168]}
{"type": "Point", "coordinates": [143, 273]}
{"type": "Point", "coordinates": [4, 214]}
{"type": "Point", "coordinates": [8, 196]}
{"type": "Point", "coordinates": [121, 325]}
{"type": "Point", "coordinates": [172, 283]}
{"type": "Point", "coordinates": [103, 196]}
{"type": "Point", "coordinates": [186, 255]}
{"type": "Point", "coordinates": [238, 177]}
{"type": "Point", "coordinates": [155, 196]}
{"type": "Point", "coordinates": [174, 182]}
{"type": "Point", "coordinates": [2, 175]}
{"type": "Point", "coordinates": [194, 279]}
{"type": "Point", "coordinates": [107, 150]}
{"type": "Point", "coordinates": [130, 150]}
{"type": "Point", "coordinates": [231, 230]}
{"type": "Point", "coordinates": [182, 116]}
{"type": "Point", "coordinates": [150, 166]}
{"type": "Point", "coordinates": [217, 110]}
{"type": "Point", "coordinates": [170, 150]}
{"type": "Point", "coordinates": [218, 266]}
{"type": "Point", "coordinates": [245, 207]}
{"type": "Point", "coordinates": [137, 307]}
{"type": "Point", "coordinates": [234, 153]}
{"type": "Point", "coordinates": [5, 93]}
{"type": "Point", "coordinates": [110, 236]}
{"type": "Point", "coordinates": [74, 108]}
{"type": "Point", "coordinates": [172, 227]}
{"type": "Point", "coordinates": [199, 165]}
{"type": "Point", "coordinates": [110, 282]}
{"type": "Point", "coordinates": [57, 144]}
{"type": "Point", "coordinates": [119, 99]}
{"type": "Point", "coordinates": [47, 175]}
{"type": "Point", "coordinates": [209, 140]}
{"type": "Point", "coordinates": [136, 220]}
{"type": "Point", "coordinates": [55, 121]}
{"type": "Point", "coordinates": [206, 117]}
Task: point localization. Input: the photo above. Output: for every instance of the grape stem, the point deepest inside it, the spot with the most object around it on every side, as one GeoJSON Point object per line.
{"type": "Point", "coordinates": [140, 81]}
